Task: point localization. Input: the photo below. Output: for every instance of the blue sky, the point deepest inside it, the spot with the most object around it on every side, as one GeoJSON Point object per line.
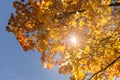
{"type": "Point", "coordinates": [15, 64]}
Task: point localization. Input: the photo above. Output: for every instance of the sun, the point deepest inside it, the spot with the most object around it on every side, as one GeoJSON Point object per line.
{"type": "Point", "coordinates": [73, 39]}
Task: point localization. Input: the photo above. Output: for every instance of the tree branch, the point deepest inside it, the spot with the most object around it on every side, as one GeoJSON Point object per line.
{"type": "Point", "coordinates": [114, 4]}
{"type": "Point", "coordinates": [67, 14]}
{"type": "Point", "coordinates": [105, 40]}
{"type": "Point", "coordinates": [105, 67]}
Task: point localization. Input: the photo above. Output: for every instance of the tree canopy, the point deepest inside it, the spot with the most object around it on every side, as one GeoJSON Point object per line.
{"type": "Point", "coordinates": [82, 37]}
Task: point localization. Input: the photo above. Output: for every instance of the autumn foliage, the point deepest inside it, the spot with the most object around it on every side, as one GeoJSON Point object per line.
{"type": "Point", "coordinates": [49, 25]}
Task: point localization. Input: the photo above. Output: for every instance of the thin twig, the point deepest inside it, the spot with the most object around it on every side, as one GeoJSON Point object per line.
{"type": "Point", "coordinates": [114, 4]}
{"type": "Point", "coordinates": [67, 14]}
{"type": "Point", "coordinates": [105, 67]}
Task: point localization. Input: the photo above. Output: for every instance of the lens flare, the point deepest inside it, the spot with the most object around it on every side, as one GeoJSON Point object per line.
{"type": "Point", "coordinates": [73, 39]}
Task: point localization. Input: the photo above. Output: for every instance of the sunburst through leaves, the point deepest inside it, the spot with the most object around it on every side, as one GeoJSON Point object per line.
{"type": "Point", "coordinates": [84, 33]}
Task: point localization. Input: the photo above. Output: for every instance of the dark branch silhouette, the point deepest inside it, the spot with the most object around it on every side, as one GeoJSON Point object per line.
{"type": "Point", "coordinates": [114, 4]}
{"type": "Point", "coordinates": [66, 14]}
{"type": "Point", "coordinates": [105, 67]}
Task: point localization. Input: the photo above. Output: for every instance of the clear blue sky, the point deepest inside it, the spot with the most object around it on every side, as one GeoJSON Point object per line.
{"type": "Point", "coordinates": [15, 64]}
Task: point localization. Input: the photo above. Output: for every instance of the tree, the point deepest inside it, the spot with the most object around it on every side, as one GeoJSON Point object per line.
{"type": "Point", "coordinates": [80, 36]}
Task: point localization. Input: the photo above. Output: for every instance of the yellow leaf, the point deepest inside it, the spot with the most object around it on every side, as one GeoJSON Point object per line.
{"type": "Point", "coordinates": [103, 21]}
{"type": "Point", "coordinates": [31, 1]}
{"type": "Point", "coordinates": [80, 72]}
{"type": "Point", "coordinates": [73, 23]}
{"type": "Point", "coordinates": [44, 65]}
{"type": "Point", "coordinates": [60, 48]}
{"type": "Point", "coordinates": [81, 23]}
{"type": "Point", "coordinates": [49, 66]}
{"type": "Point", "coordinates": [48, 3]}
{"type": "Point", "coordinates": [87, 49]}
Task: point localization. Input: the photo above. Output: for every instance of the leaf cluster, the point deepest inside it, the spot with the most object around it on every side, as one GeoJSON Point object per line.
{"type": "Point", "coordinates": [47, 26]}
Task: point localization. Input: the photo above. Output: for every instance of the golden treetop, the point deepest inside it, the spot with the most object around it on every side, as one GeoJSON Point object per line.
{"type": "Point", "coordinates": [85, 33]}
